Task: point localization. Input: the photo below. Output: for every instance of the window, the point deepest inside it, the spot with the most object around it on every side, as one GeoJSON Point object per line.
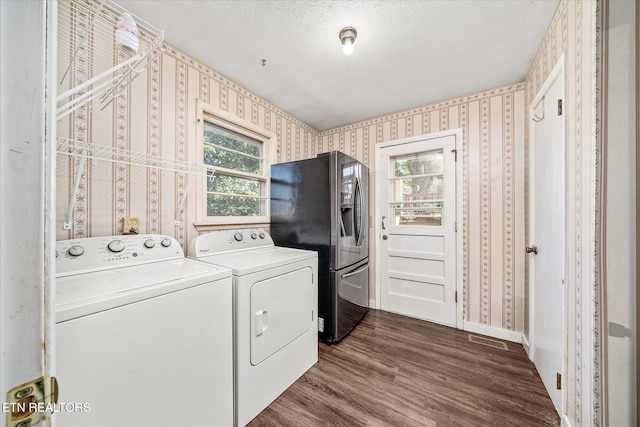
{"type": "Point", "coordinates": [236, 190]}
{"type": "Point", "coordinates": [416, 188]}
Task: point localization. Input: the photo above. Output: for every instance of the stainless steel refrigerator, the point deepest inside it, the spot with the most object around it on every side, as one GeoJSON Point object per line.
{"type": "Point", "coordinates": [322, 204]}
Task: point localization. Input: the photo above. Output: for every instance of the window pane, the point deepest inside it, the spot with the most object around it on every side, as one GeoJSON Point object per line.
{"type": "Point", "coordinates": [425, 213]}
{"type": "Point", "coordinates": [222, 137]}
{"type": "Point", "coordinates": [218, 205]}
{"type": "Point", "coordinates": [427, 162]}
{"type": "Point", "coordinates": [416, 187]}
{"type": "Point", "coordinates": [217, 157]}
{"type": "Point", "coordinates": [232, 185]}
{"type": "Point", "coordinates": [423, 188]}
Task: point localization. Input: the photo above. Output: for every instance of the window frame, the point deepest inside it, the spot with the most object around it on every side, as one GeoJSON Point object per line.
{"type": "Point", "coordinates": [209, 113]}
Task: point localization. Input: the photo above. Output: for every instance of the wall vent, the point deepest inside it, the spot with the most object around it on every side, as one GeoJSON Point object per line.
{"type": "Point", "coordinates": [488, 342]}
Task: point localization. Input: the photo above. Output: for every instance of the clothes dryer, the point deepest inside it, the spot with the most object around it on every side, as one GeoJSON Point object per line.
{"type": "Point", "coordinates": [275, 293]}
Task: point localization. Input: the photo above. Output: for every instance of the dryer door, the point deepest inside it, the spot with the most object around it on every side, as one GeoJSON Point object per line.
{"type": "Point", "coordinates": [281, 311]}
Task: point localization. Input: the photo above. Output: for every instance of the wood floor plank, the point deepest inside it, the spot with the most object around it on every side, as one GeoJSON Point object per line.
{"type": "Point", "coordinates": [398, 371]}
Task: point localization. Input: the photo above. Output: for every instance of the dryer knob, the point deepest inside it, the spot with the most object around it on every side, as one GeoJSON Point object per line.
{"type": "Point", "coordinates": [149, 244]}
{"type": "Point", "coordinates": [238, 237]}
{"type": "Point", "coordinates": [165, 242]}
{"type": "Point", "coordinates": [262, 235]}
{"type": "Point", "coordinates": [116, 246]}
{"type": "Point", "coordinates": [75, 250]}
{"type": "Point", "coordinates": [254, 236]}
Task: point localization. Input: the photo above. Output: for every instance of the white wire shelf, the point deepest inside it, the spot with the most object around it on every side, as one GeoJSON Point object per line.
{"type": "Point", "coordinates": [88, 150]}
{"type": "Point", "coordinates": [93, 70]}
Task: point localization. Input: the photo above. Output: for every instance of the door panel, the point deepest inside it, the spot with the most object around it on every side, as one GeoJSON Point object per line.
{"type": "Point", "coordinates": [417, 202]}
{"type": "Point", "coordinates": [547, 234]}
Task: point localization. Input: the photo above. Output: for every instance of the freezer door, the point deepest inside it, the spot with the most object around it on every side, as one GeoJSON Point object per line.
{"type": "Point", "coordinates": [352, 300]}
{"type": "Point", "coordinates": [351, 211]}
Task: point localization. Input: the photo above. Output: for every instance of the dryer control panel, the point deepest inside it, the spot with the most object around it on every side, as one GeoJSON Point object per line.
{"type": "Point", "coordinates": [217, 242]}
{"type": "Point", "coordinates": [98, 253]}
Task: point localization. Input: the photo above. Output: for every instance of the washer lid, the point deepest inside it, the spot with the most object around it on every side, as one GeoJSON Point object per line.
{"type": "Point", "coordinates": [87, 293]}
{"type": "Point", "coordinates": [253, 260]}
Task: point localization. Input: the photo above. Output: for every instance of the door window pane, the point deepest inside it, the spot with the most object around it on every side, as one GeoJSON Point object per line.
{"type": "Point", "coordinates": [427, 162]}
{"type": "Point", "coordinates": [416, 189]}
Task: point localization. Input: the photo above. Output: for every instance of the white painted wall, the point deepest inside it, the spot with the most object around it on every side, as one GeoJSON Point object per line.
{"type": "Point", "coordinates": [620, 224]}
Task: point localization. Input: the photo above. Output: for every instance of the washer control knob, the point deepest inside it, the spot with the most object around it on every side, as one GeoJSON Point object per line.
{"type": "Point", "coordinates": [165, 242]}
{"type": "Point", "coordinates": [262, 235]}
{"type": "Point", "coordinates": [238, 237]}
{"type": "Point", "coordinates": [75, 250]}
{"type": "Point", "coordinates": [116, 246]}
{"type": "Point", "coordinates": [254, 236]}
{"type": "Point", "coordinates": [149, 244]}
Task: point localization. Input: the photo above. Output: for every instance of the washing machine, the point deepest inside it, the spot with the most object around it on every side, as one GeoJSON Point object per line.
{"type": "Point", "coordinates": [275, 293]}
{"type": "Point", "coordinates": [143, 334]}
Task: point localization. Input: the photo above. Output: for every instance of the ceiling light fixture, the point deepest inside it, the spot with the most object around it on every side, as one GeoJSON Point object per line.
{"type": "Point", "coordinates": [347, 37]}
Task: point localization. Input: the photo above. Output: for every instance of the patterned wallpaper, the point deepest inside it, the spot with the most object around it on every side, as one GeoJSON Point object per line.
{"type": "Point", "coordinates": [156, 115]}
{"type": "Point", "coordinates": [493, 181]}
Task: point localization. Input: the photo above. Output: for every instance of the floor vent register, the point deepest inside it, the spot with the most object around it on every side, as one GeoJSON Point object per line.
{"type": "Point", "coordinates": [488, 342]}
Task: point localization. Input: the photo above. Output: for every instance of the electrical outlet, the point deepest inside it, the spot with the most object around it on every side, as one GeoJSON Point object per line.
{"type": "Point", "coordinates": [130, 225]}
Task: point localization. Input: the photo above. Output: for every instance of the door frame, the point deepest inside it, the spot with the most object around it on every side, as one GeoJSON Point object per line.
{"type": "Point", "coordinates": [378, 180]}
{"type": "Point", "coordinates": [27, 312]}
{"type": "Point", "coordinates": [556, 73]}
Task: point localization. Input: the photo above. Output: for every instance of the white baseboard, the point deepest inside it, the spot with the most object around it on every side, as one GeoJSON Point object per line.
{"type": "Point", "coordinates": [564, 421]}
{"type": "Point", "coordinates": [491, 331]}
{"type": "Point", "coordinates": [525, 344]}
{"type": "Point", "coordinates": [372, 303]}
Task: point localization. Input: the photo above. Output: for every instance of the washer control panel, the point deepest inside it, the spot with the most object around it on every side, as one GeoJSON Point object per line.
{"type": "Point", "coordinates": [98, 253]}
{"type": "Point", "coordinates": [217, 242]}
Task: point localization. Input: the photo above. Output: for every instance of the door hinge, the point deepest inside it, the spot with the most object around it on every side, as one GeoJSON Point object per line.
{"type": "Point", "coordinates": [455, 227]}
{"type": "Point", "coordinates": [455, 155]}
{"type": "Point", "coordinates": [456, 298]}
{"type": "Point", "coordinates": [30, 403]}
{"type": "Point", "coordinates": [559, 107]}
{"type": "Point", "coordinates": [558, 381]}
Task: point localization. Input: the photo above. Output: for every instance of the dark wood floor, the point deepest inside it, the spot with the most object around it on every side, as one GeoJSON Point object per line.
{"type": "Point", "coordinates": [397, 371]}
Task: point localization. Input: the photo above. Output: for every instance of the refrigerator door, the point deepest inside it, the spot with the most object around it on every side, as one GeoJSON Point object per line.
{"type": "Point", "coordinates": [352, 300]}
{"type": "Point", "coordinates": [350, 210]}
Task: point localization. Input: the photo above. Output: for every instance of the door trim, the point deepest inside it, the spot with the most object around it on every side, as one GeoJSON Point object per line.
{"type": "Point", "coordinates": [378, 179]}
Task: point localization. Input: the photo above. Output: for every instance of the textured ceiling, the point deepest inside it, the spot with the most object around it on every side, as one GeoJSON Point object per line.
{"type": "Point", "coordinates": [407, 53]}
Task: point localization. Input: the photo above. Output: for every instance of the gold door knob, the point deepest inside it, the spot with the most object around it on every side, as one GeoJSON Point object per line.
{"type": "Point", "coordinates": [531, 249]}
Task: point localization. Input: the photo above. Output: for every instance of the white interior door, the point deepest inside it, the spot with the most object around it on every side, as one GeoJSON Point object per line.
{"type": "Point", "coordinates": [547, 234]}
{"type": "Point", "coordinates": [417, 214]}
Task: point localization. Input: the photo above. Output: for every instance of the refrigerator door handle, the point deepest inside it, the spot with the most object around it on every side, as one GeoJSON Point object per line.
{"type": "Point", "coordinates": [358, 271]}
{"type": "Point", "coordinates": [357, 212]}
